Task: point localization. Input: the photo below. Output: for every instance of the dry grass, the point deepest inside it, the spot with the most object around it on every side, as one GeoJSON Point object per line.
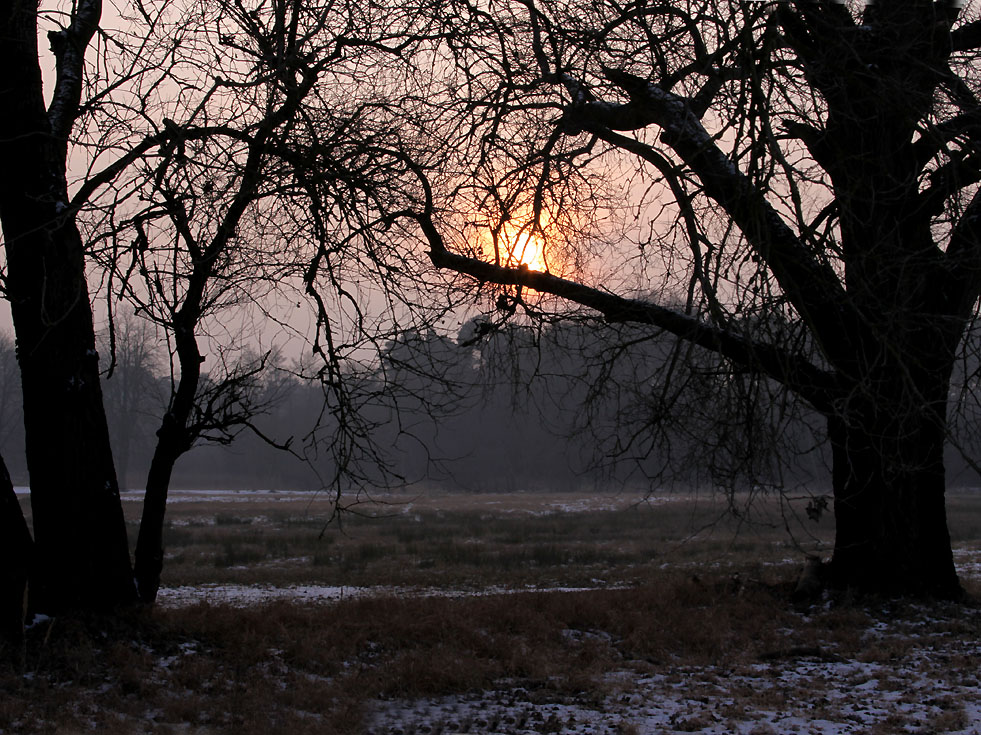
{"type": "Point", "coordinates": [292, 668]}
{"type": "Point", "coordinates": [462, 542]}
{"type": "Point", "coordinates": [700, 613]}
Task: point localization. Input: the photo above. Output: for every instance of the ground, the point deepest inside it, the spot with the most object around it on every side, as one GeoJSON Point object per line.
{"type": "Point", "coordinates": [806, 690]}
{"type": "Point", "coordinates": [529, 613]}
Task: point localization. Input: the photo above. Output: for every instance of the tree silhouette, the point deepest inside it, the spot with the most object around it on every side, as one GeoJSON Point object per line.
{"type": "Point", "coordinates": [227, 164]}
{"type": "Point", "coordinates": [800, 176]}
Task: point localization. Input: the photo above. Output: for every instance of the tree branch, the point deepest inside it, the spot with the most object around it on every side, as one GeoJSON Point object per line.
{"type": "Point", "coordinates": [68, 46]}
{"type": "Point", "coordinates": [812, 287]}
{"type": "Point", "coordinates": [967, 37]}
{"type": "Point", "coordinates": [814, 384]}
{"type": "Point", "coordinates": [963, 261]}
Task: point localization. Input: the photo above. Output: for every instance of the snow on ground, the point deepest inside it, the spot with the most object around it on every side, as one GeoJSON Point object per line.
{"type": "Point", "coordinates": [805, 696]}
{"type": "Point", "coordinates": [820, 694]}
{"type": "Point", "coordinates": [924, 687]}
{"type": "Point", "coordinates": [594, 503]}
{"type": "Point", "coordinates": [919, 687]}
{"type": "Point", "coordinates": [238, 595]}
{"type": "Point", "coordinates": [225, 496]}
{"type": "Point", "coordinates": [968, 563]}
{"type": "Point", "coordinates": [248, 595]}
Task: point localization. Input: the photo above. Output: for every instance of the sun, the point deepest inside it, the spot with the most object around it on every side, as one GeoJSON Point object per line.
{"type": "Point", "coordinates": [525, 248]}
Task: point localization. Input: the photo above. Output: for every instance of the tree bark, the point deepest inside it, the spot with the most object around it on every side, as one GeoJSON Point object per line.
{"type": "Point", "coordinates": [173, 439]}
{"type": "Point", "coordinates": [82, 549]}
{"type": "Point", "coordinates": [82, 555]}
{"type": "Point", "coordinates": [16, 549]}
{"type": "Point", "coordinates": [148, 562]}
{"type": "Point", "coordinates": [889, 486]}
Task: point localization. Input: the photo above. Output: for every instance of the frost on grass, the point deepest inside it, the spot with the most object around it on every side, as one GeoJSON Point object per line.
{"type": "Point", "coordinates": [915, 676]}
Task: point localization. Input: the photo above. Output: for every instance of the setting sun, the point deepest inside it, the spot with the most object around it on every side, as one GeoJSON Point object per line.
{"type": "Point", "coordinates": [525, 248]}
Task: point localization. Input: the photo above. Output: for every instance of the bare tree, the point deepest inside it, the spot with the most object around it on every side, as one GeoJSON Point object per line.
{"type": "Point", "coordinates": [801, 176]}
{"type": "Point", "coordinates": [227, 159]}
{"type": "Point", "coordinates": [82, 558]}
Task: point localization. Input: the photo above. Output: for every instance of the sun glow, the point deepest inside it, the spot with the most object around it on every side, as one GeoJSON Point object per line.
{"type": "Point", "coordinates": [523, 247]}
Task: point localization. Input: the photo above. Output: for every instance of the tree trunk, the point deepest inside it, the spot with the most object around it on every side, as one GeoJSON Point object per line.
{"type": "Point", "coordinates": [149, 545]}
{"type": "Point", "coordinates": [82, 549]}
{"type": "Point", "coordinates": [173, 439]}
{"type": "Point", "coordinates": [15, 552]}
{"type": "Point", "coordinates": [891, 522]}
{"type": "Point", "coordinates": [82, 555]}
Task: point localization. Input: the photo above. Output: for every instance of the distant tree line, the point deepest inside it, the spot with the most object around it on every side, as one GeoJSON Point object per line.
{"type": "Point", "coordinates": [500, 407]}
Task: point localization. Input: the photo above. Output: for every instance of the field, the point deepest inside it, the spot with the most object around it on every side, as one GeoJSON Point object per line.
{"type": "Point", "coordinates": [421, 614]}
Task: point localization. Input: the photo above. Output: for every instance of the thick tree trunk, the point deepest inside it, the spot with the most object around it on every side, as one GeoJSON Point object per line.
{"type": "Point", "coordinates": [15, 553]}
{"type": "Point", "coordinates": [82, 555]}
{"type": "Point", "coordinates": [82, 549]}
{"type": "Point", "coordinates": [891, 522]}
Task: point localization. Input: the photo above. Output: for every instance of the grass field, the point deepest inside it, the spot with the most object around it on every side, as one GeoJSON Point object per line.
{"type": "Point", "coordinates": [524, 613]}
{"type": "Point", "coordinates": [467, 542]}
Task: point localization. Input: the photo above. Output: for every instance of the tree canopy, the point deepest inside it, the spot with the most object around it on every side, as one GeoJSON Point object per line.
{"type": "Point", "coordinates": [801, 176]}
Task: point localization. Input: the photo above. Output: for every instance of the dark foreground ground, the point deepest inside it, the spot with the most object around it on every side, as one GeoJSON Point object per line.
{"type": "Point", "coordinates": [501, 614]}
